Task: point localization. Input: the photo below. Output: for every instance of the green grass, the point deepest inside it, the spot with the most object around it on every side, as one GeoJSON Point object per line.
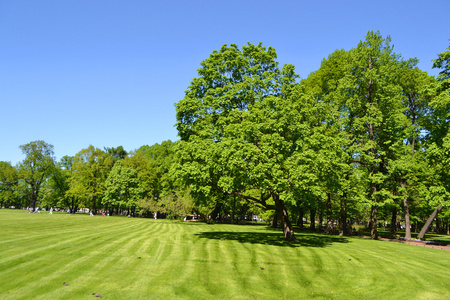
{"type": "Point", "coordinates": [38, 252]}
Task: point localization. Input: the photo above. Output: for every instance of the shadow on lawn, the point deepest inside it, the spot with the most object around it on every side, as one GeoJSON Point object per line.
{"type": "Point", "coordinates": [274, 238]}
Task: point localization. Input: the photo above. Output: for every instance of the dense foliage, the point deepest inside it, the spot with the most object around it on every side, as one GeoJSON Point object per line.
{"type": "Point", "coordinates": [362, 140]}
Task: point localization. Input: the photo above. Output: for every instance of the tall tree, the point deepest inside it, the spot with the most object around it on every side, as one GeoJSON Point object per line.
{"type": "Point", "coordinates": [334, 158]}
{"type": "Point", "coordinates": [59, 185]}
{"type": "Point", "coordinates": [375, 113]}
{"type": "Point", "coordinates": [90, 169]}
{"type": "Point", "coordinates": [438, 127]}
{"type": "Point", "coordinates": [36, 168]}
{"type": "Point", "coordinates": [122, 187]}
{"type": "Point", "coordinates": [234, 122]}
{"type": "Point", "coordinates": [8, 183]}
{"type": "Point", "coordinates": [406, 166]}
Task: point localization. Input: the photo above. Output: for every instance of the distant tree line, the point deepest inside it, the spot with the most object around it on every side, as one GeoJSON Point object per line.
{"type": "Point", "coordinates": [364, 139]}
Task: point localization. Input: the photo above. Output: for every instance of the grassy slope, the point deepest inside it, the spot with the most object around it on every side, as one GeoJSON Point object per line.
{"type": "Point", "coordinates": [187, 260]}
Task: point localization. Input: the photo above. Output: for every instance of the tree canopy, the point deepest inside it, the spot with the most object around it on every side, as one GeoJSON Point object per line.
{"type": "Point", "coordinates": [364, 139]}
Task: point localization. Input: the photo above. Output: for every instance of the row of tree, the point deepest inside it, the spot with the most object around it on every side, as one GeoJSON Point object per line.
{"type": "Point", "coordinates": [363, 139]}
{"type": "Point", "coordinates": [367, 133]}
{"type": "Point", "coordinates": [109, 180]}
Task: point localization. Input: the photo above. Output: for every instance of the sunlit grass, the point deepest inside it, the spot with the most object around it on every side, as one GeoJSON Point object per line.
{"type": "Point", "coordinates": [38, 253]}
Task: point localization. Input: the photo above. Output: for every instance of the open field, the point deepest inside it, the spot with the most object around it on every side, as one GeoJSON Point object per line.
{"type": "Point", "coordinates": [39, 252]}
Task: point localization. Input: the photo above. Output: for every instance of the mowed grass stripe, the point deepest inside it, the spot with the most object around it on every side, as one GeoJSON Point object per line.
{"type": "Point", "coordinates": [39, 268]}
{"type": "Point", "coordinates": [47, 226]}
{"type": "Point", "coordinates": [185, 261]}
{"type": "Point", "coordinates": [36, 259]}
{"type": "Point", "coordinates": [227, 252]}
{"type": "Point", "coordinates": [39, 243]}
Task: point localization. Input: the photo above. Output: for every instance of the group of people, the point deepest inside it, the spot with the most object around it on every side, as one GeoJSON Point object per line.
{"type": "Point", "coordinates": [38, 211]}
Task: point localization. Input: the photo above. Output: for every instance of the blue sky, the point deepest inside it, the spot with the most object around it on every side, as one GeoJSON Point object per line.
{"type": "Point", "coordinates": [107, 73]}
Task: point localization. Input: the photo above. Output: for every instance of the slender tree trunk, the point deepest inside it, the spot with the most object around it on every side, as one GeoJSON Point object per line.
{"type": "Point", "coordinates": [373, 223]}
{"type": "Point", "coordinates": [94, 205]}
{"type": "Point", "coordinates": [233, 213]}
{"type": "Point", "coordinates": [373, 214]}
{"type": "Point", "coordinates": [429, 222]}
{"type": "Point", "coordinates": [312, 217]}
{"type": "Point", "coordinates": [448, 228]}
{"type": "Point", "coordinates": [275, 217]}
{"type": "Point", "coordinates": [300, 217]}
{"type": "Point", "coordinates": [285, 222]}
{"type": "Point", "coordinates": [329, 229]}
{"type": "Point", "coordinates": [394, 221]}
{"type": "Point", "coordinates": [343, 216]}
{"type": "Point", "coordinates": [406, 208]}
{"type": "Point", "coordinates": [320, 216]}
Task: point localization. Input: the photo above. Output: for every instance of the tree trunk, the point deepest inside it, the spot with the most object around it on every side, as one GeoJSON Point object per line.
{"type": "Point", "coordinates": [343, 229]}
{"type": "Point", "coordinates": [429, 221]}
{"type": "Point", "coordinates": [438, 225]}
{"type": "Point", "coordinates": [394, 221]}
{"type": "Point", "coordinates": [320, 218]}
{"type": "Point", "coordinates": [300, 217]}
{"type": "Point", "coordinates": [285, 222]}
{"type": "Point", "coordinates": [94, 205]}
{"type": "Point", "coordinates": [406, 208]}
{"type": "Point", "coordinates": [373, 223]}
{"type": "Point", "coordinates": [329, 229]}
{"type": "Point", "coordinates": [312, 217]}
{"type": "Point", "coordinates": [373, 214]}
{"type": "Point", "coordinates": [233, 213]}
{"type": "Point", "coordinates": [275, 217]}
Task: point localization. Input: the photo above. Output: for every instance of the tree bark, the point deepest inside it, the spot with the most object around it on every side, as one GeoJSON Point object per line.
{"type": "Point", "coordinates": [429, 222]}
{"type": "Point", "coordinates": [233, 213]}
{"type": "Point", "coordinates": [343, 229]}
{"type": "Point", "coordinates": [373, 223]}
{"type": "Point", "coordinates": [275, 217]}
{"type": "Point", "coordinates": [312, 225]}
{"type": "Point", "coordinates": [329, 229]}
{"type": "Point", "coordinates": [394, 221]}
{"type": "Point", "coordinates": [288, 231]}
{"type": "Point", "coordinates": [320, 217]}
{"type": "Point", "coordinates": [406, 208]}
{"type": "Point", "coordinates": [94, 205]}
{"type": "Point", "coordinates": [300, 217]}
{"type": "Point", "coordinates": [373, 214]}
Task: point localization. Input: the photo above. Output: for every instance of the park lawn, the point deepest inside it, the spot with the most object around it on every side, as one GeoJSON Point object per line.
{"type": "Point", "coordinates": [180, 260]}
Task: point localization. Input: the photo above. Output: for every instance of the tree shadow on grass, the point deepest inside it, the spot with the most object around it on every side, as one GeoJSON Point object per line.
{"type": "Point", "coordinates": [274, 238]}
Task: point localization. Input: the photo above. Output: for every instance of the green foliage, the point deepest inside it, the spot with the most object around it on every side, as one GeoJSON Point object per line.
{"type": "Point", "coordinates": [122, 187]}
{"type": "Point", "coordinates": [116, 153]}
{"type": "Point", "coordinates": [90, 169]}
{"type": "Point", "coordinates": [366, 136]}
{"type": "Point", "coordinates": [177, 205]}
{"type": "Point", "coordinates": [35, 169]}
{"type": "Point", "coordinates": [443, 63]}
{"type": "Point", "coordinates": [160, 159]}
{"type": "Point", "coordinates": [8, 183]}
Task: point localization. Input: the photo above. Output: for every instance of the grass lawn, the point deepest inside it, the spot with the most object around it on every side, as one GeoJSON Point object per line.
{"type": "Point", "coordinates": [178, 260]}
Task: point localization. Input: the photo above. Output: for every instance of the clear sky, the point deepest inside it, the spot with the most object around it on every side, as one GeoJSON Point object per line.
{"type": "Point", "coordinates": [107, 73]}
